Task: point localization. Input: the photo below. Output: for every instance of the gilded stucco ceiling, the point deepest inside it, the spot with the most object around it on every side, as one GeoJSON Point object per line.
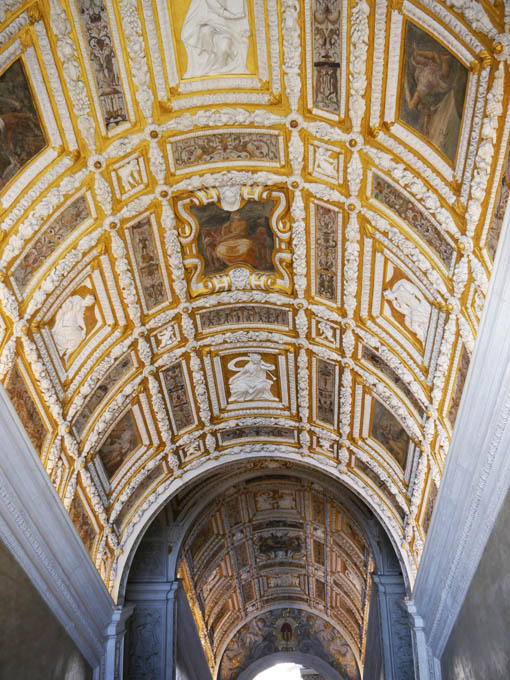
{"type": "Point", "coordinates": [258, 229]}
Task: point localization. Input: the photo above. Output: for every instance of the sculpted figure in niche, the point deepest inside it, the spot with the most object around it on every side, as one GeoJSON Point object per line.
{"type": "Point", "coordinates": [70, 329]}
{"type": "Point", "coordinates": [216, 37]}
{"type": "Point", "coordinates": [407, 299]}
{"type": "Point", "coordinates": [250, 382]}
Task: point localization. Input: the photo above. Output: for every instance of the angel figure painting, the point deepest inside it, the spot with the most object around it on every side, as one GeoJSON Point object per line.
{"type": "Point", "coordinates": [235, 238]}
{"type": "Point", "coordinates": [21, 135]}
{"type": "Point", "coordinates": [433, 91]}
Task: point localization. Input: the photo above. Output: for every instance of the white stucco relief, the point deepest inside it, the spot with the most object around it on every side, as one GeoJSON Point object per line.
{"type": "Point", "coordinates": [216, 37]}
{"type": "Point", "coordinates": [407, 299]}
{"type": "Point", "coordinates": [251, 381]}
{"type": "Point", "coordinates": [69, 329]}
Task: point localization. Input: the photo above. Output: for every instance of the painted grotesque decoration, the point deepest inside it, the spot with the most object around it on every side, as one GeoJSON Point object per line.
{"type": "Point", "coordinates": [104, 62]}
{"type": "Point", "coordinates": [147, 262]}
{"type": "Point", "coordinates": [387, 430]}
{"type": "Point", "coordinates": [394, 199]}
{"type": "Point", "coordinates": [175, 383]}
{"type": "Point", "coordinates": [326, 52]}
{"type": "Point", "coordinates": [58, 229]}
{"type": "Point", "coordinates": [122, 440]}
{"type": "Point", "coordinates": [327, 228]}
{"type": "Point", "coordinates": [433, 91]}
{"type": "Point", "coordinates": [239, 237]}
{"type": "Point", "coordinates": [21, 133]}
{"type": "Point", "coordinates": [216, 36]}
{"type": "Point", "coordinates": [326, 389]}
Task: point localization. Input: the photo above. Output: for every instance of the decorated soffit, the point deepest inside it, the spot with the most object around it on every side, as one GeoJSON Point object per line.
{"type": "Point", "coordinates": [257, 229]}
{"type": "Point", "coordinates": [278, 564]}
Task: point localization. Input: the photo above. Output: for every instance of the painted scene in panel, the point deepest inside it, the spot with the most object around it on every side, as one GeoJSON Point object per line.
{"type": "Point", "coordinates": [58, 230]}
{"type": "Point", "coordinates": [82, 523]}
{"type": "Point", "coordinates": [434, 86]}
{"type": "Point", "coordinates": [326, 54]}
{"type": "Point", "coordinates": [459, 386]}
{"type": "Point", "coordinates": [98, 35]}
{"type": "Point", "coordinates": [387, 430]}
{"type": "Point", "coordinates": [147, 263]}
{"type": "Point", "coordinates": [239, 237]}
{"type": "Point", "coordinates": [25, 408]}
{"type": "Point", "coordinates": [499, 213]}
{"type": "Point", "coordinates": [121, 441]}
{"type": "Point", "coordinates": [387, 194]}
{"type": "Point", "coordinates": [231, 146]}
{"type": "Point", "coordinates": [21, 134]}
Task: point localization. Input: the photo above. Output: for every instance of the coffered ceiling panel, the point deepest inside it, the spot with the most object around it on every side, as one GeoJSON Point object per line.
{"type": "Point", "coordinates": [267, 231]}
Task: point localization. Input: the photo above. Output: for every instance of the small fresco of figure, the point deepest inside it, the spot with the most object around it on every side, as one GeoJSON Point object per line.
{"type": "Point", "coordinates": [433, 92]}
{"type": "Point", "coordinates": [239, 237]}
{"type": "Point", "coordinates": [389, 432]}
{"type": "Point", "coordinates": [21, 135]}
{"type": "Point", "coordinates": [120, 442]}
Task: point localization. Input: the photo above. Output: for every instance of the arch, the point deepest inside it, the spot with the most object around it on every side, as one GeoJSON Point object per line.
{"type": "Point", "coordinates": [309, 660]}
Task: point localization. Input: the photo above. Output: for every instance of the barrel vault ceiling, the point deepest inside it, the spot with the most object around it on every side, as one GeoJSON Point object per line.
{"type": "Point", "coordinates": [259, 229]}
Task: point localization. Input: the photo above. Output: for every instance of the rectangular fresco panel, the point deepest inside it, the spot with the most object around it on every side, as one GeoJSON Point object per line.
{"type": "Point", "coordinates": [175, 384]}
{"type": "Point", "coordinates": [257, 432]}
{"type": "Point", "coordinates": [326, 388]}
{"type": "Point", "coordinates": [389, 195]}
{"type": "Point", "coordinates": [147, 263]}
{"type": "Point", "coordinates": [387, 430]}
{"type": "Point", "coordinates": [240, 237]}
{"type": "Point", "coordinates": [98, 36]}
{"type": "Point", "coordinates": [25, 408]}
{"type": "Point", "coordinates": [21, 133]}
{"type": "Point", "coordinates": [82, 523]}
{"type": "Point", "coordinates": [459, 386]}
{"type": "Point", "coordinates": [122, 440]}
{"type": "Point", "coordinates": [499, 213]}
{"type": "Point", "coordinates": [247, 314]}
{"type": "Point", "coordinates": [113, 376]}
{"type": "Point", "coordinates": [226, 146]}
{"type": "Point", "coordinates": [386, 370]}
{"type": "Point", "coordinates": [326, 226]}
{"type": "Point", "coordinates": [434, 87]}
{"type": "Point", "coordinates": [326, 54]}
{"type": "Point", "coordinates": [58, 230]}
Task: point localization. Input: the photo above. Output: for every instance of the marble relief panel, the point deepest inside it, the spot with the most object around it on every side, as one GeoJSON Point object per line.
{"type": "Point", "coordinates": [22, 134]}
{"type": "Point", "coordinates": [98, 35]}
{"type": "Point", "coordinates": [51, 238]}
{"type": "Point", "coordinates": [387, 430]}
{"type": "Point", "coordinates": [103, 388]}
{"type": "Point", "coordinates": [463, 367]}
{"type": "Point", "coordinates": [395, 200]}
{"type": "Point", "coordinates": [238, 148]}
{"type": "Point", "coordinates": [25, 408]}
{"type": "Point", "coordinates": [147, 263]}
{"type": "Point", "coordinates": [326, 54]}
{"type": "Point", "coordinates": [326, 252]}
{"type": "Point", "coordinates": [433, 91]}
{"type": "Point", "coordinates": [122, 440]}
{"type": "Point", "coordinates": [176, 389]}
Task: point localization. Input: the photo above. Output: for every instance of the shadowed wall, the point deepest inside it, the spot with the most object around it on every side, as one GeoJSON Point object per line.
{"type": "Point", "coordinates": [33, 644]}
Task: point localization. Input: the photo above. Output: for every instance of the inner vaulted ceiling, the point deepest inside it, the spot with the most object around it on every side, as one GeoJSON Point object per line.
{"type": "Point", "coordinates": [247, 229]}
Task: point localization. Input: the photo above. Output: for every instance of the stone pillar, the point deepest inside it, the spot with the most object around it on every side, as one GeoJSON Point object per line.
{"type": "Point", "coordinates": [396, 641]}
{"type": "Point", "coordinates": [152, 638]}
{"type": "Point", "coordinates": [425, 665]}
{"type": "Point", "coordinates": [114, 645]}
